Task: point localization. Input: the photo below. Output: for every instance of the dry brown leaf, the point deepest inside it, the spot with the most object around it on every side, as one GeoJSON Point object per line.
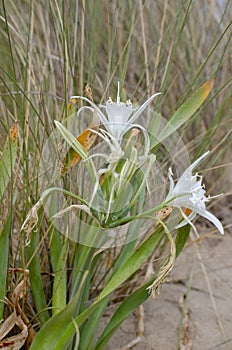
{"type": "Point", "coordinates": [13, 132]}
{"type": "Point", "coordinates": [87, 138]}
{"type": "Point", "coordinates": [27, 333]}
{"type": "Point", "coordinates": [16, 341]}
{"type": "Point", "coordinates": [7, 325]}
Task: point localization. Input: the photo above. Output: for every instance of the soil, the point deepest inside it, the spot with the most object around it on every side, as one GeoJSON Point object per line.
{"type": "Point", "coordinates": [207, 322]}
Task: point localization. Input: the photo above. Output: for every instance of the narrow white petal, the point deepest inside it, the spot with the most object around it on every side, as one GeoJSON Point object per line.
{"type": "Point", "coordinates": [185, 182]}
{"type": "Point", "coordinates": [187, 174]}
{"type": "Point", "coordinates": [171, 187]}
{"type": "Point", "coordinates": [197, 161]}
{"type": "Point", "coordinates": [191, 217]}
{"type": "Point", "coordinates": [145, 134]}
{"type": "Point", "coordinates": [188, 220]}
{"type": "Point", "coordinates": [142, 107]}
{"type": "Point", "coordinates": [101, 115]}
{"type": "Point", "coordinates": [72, 207]}
{"type": "Point", "coordinates": [209, 216]}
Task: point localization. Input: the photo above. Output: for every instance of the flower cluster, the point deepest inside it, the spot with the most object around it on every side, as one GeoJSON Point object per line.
{"type": "Point", "coordinates": [118, 180]}
{"type": "Point", "coordinates": [189, 192]}
{"type": "Point", "coordinates": [119, 117]}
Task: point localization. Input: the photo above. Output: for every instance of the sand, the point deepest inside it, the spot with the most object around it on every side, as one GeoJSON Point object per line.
{"type": "Point", "coordinates": [208, 307]}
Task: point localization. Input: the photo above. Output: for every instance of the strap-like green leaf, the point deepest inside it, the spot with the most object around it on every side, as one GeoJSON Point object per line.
{"type": "Point", "coordinates": [59, 284]}
{"type": "Point", "coordinates": [4, 248]}
{"type": "Point", "coordinates": [59, 340]}
{"type": "Point", "coordinates": [51, 332]}
{"type": "Point", "coordinates": [181, 238]}
{"type": "Point", "coordinates": [137, 298]}
{"type": "Point", "coordinates": [132, 264]}
{"type": "Point", "coordinates": [71, 140]}
{"type": "Point", "coordinates": [36, 277]}
{"type": "Point", "coordinates": [8, 158]}
{"type": "Point", "coordinates": [186, 111]}
{"type": "Point", "coordinates": [50, 336]}
{"type": "Point", "coordinates": [128, 305]}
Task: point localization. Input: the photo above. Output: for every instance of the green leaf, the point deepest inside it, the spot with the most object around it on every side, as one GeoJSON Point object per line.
{"type": "Point", "coordinates": [59, 284]}
{"type": "Point", "coordinates": [128, 305]}
{"type": "Point", "coordinates": [128, 268]}
{"type": "Point", "coordinates": [69, 330]}
{"type": "Point", "coordinates": [71, 140]}
{"type": "Point", "coordinates": [181, 238]}
{"type": "Point", "coordinates": [51, 332]}
{"type": "Point", "coordinates": [33, 263]}
{"type": "Point", "coordinates": [131, 265]}
{"type": "Point", "coordinates": [4, 248]}
{"type": "Point", "coordinates": [88, 333]}
{"type": "Point", "coordinates": [8, 158]}
{"type": "Point", "coordinates": [55, 248]}
{"type": "Point", "coordinates": [91, 326]}
{"type": "Point", "coordinates": [185, 111]}
{"type": "Point", "coordinates": [137, 298]}
{"type": "Point", "coordinates": [78, 148]}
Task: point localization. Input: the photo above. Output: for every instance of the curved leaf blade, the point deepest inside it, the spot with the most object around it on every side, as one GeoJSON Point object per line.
{"type": "Point", "coordinates": [132, 301]}
{"type": "Point", "coordinates": [4, 248]}
{"type": "Point", "coordinates": [186, 110]}
{"type": "Point", "coordinates": [8, 159]}
{"type": "Point", "coordinates": [60, 283]}
{"type": "Point", "coordinates": [132, 264]}
{"type": "Point", "coordinates": [51, 332]}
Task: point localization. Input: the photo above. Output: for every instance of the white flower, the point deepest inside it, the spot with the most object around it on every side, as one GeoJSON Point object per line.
{"type": "Point", "coordinates": [119, 117]}
{"type": "Point", "coordinates": [190, 193]}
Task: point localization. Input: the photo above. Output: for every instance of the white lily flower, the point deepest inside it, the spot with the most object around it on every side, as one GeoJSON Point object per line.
{"type": "Point", "coordinates": [119, 117]}
{"type": "Point", "coordinates": [190, 193]}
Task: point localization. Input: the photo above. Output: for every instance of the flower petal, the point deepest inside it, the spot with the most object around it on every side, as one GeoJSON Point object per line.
{"type": "Point", "coordinates": [188, 220]}
{"type": "Point", "coordinates": [188, 172]}
{"type": "Point", "coordinates": [190, 217]}
{"type": "Point", "coordinates": [209, 216]}
{"type": "Point", "coordinates": [145, 134]}
{"type": "Point", "coordinates": [142, 107]}
{"type": "Point", "coordinates": [171, 187]}
{"type": "Point", "coordinates": [101, 115]}
{"type": "Point", "coordinates": [116, 129]}
{"type": "Point", "coordinates": [197, 161]}
{"type": "Point", "coordinates": [118, 112]}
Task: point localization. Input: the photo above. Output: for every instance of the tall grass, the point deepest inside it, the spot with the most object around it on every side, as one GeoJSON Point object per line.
{"type": "Point", "coordinates": [51, 50]}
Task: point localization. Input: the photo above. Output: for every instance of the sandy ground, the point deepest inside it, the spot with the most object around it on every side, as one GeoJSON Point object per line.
{"type": "Point", "coordinates": [208, 314]}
